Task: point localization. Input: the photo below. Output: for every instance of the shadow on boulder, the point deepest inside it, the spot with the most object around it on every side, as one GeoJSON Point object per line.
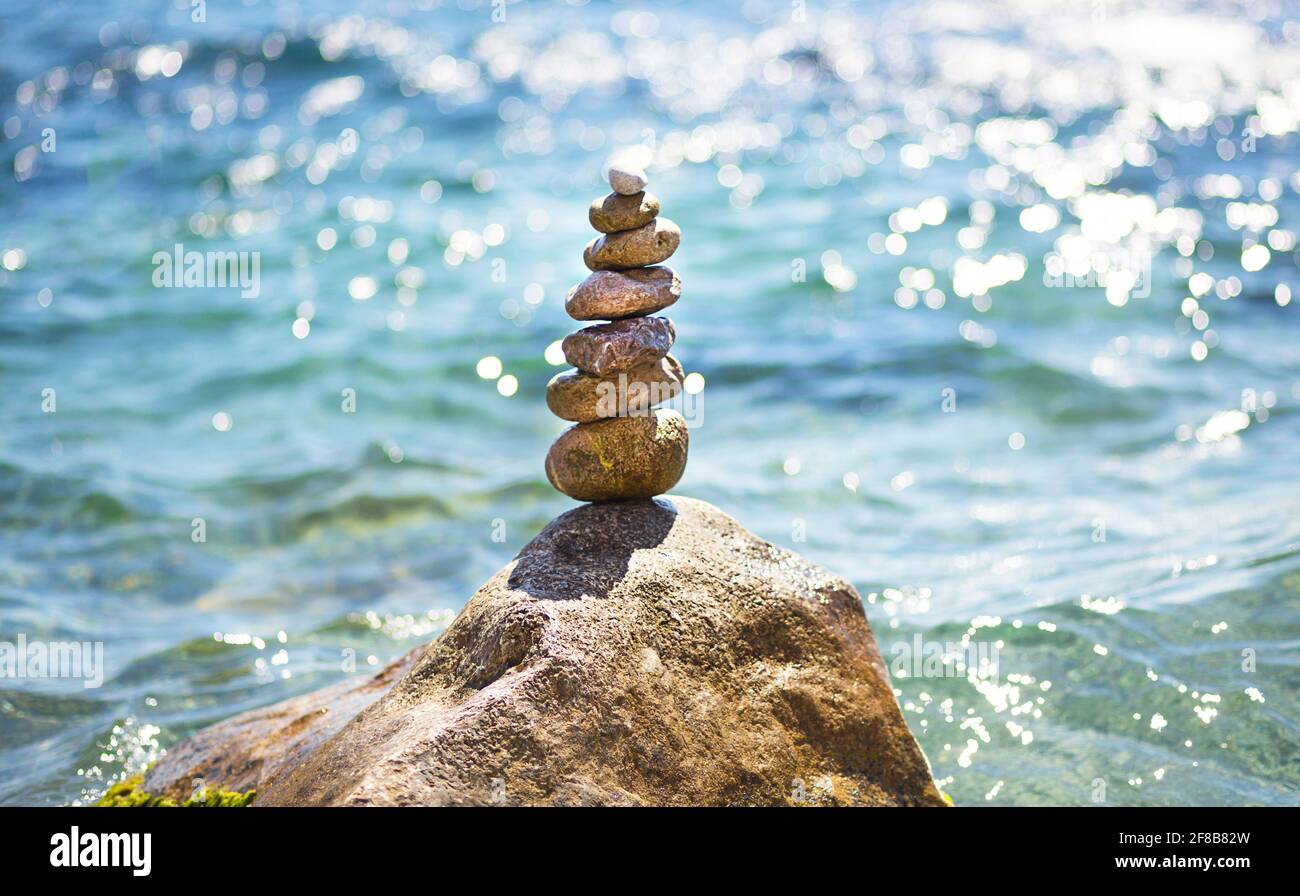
{"type": "Point", "coordinates": [586, 552]}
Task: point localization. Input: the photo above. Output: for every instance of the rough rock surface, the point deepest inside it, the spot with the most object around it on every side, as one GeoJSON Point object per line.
{"type": "Point", "coordinates": [249, 751]}
{"type": "Point", "coordinates": [613, 295]}
{"type": "Point", "coordinates": [651, 244]}
{"type": "Point", "coordinates": [583, 398]}
{"type": "Point", "coordinates": [618, 212]}
{"type": "Point", "coordinates": [642, 652]}
{"type": "Point", "coordinates": [621, 345]}
{"type": "Point", "coordinates": [622, 457]}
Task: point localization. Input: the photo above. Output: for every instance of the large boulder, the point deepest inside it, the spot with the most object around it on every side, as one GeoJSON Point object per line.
{"type": "Point", "coordinates": [642, 652]}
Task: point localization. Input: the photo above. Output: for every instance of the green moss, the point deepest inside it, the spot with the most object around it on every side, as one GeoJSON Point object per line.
{"type": "Point", "coordinates": [222, 799]}
{"type": "Point", "coordinates": [127, 794]}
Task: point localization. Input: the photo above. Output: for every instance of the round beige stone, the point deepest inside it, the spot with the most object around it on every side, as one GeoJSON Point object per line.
{"type": "Point", "coordinates": [621, 345]}
{"type": "Point", "coordinates": [651, 244]}
{"type": "Point", "coordinates": [583, 398]}
{"type": "Point", "coordinates": [613, 295]}
{"type": "Point", "coordinates": [618, 212]}
{"type": "Point", "coordinates": [624, 457]}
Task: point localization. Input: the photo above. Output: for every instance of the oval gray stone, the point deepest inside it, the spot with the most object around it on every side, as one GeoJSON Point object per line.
{"type": "Point", "coordinates": [620, 345]}
{"type": "Point", "coordinates": [613, 295]}
{"type": "Point", "coordinates": [626, 179]}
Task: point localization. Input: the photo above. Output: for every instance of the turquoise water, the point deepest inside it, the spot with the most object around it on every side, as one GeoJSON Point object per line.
{"type": "Point", "coordinates": [1096, 486]}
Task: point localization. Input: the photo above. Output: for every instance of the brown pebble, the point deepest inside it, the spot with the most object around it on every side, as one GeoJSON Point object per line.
{"type": "Point", "coordinates": [621, 345]}
{"type": "Point", "coordinates": [581, 397]}
{"type": "Point", "coordinates": [612, 295]}
{"type": "Point", "coordinates": [624, 457]}
{"type": "Point", "coordinates": [651, 244]}
{"type": "Point", "coordinates": [618, 212]}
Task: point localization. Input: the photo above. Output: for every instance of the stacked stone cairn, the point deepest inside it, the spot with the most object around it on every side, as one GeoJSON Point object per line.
{"type": "Point", "coordinates": [621, 446]}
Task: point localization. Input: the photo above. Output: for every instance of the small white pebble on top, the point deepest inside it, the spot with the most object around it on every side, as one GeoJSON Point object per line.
{"type": "Point", "coordinates": [627, 180]}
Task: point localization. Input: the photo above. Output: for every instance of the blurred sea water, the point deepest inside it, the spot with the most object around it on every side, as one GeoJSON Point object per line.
{"type": "Point", "coordinates": [991, 303]}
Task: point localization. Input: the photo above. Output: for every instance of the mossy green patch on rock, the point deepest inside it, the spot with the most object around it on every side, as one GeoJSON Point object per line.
{"type": "Point", "coordinates": [129, 795]}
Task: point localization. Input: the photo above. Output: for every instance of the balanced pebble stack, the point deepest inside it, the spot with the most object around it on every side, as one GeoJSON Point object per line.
{"type": "Point", "coordinates": [622, 446]}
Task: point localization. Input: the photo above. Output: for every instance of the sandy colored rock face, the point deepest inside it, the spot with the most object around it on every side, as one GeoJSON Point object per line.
{"type": "Point", "coordinates": [613, 295]}
{"type": "Point", "coordinates": [651, 244]}
{"type": "Point", "coordinates": [619, 458]}
{"type": "Point", "coordinates": [626, 179]}
{"type": "Point", "coordinates": [583, 398]}
{"type": "Point", "coordinates": [618, 212]}
{"type": "Point", "coordinates": [620, 345]}
{"type": "Point", "coordinates": [249, 751]}
{"type": "Point", "coordinates": [634, 653]}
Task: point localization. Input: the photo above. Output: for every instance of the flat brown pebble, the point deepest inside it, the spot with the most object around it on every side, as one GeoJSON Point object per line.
{"type": "Point", "coordinates": [624, 457]}
{"type": "Point", "coordinates": [613, 295]}
{"type": "Point", "coordinates": [620, 345]}
{"type": "Point", "coordinates": [581, 397]}
{"type": "Point", "coordinates": [651, 244]}
{"type": "Point", "coordinates": [618, 212]}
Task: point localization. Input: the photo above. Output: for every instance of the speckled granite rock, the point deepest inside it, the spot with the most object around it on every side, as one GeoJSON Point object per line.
{"type": "Point", "coordinates": [634, 653]}
{"type": "Point", "coordinates": [651, 244]}
{"type": "Point", "coordinates": [623, 457]}
{"type": "Point", "coordinates": [618, 212]}
{"type": "Point", "coordinates": [621, 345]}
{"type": "Point", "coordinates": [613, 295]}
{"type": "Point", "coordinates": [583, 398]}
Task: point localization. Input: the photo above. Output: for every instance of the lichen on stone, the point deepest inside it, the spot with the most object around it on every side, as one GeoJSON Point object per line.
{"type": "Point", "coordinates": [128, 794]}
